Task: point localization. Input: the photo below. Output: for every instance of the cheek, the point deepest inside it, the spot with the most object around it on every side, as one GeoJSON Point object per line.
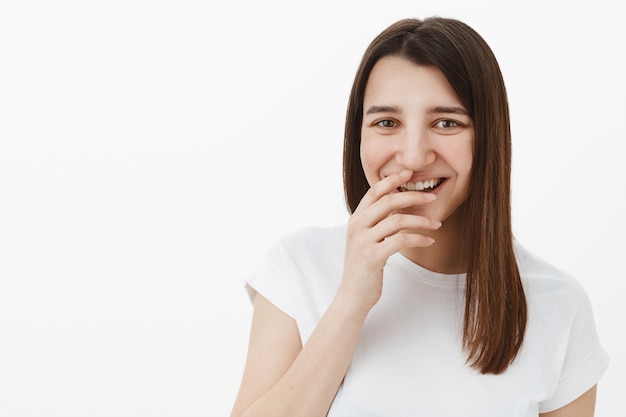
{"type": "Point", "coordinates": [466, 166]}
{"type": "Point", "coordinates": [370, 158]}
{"type": "Point", "coordinates": [464, 159]}
{"type": "Point", "coordinates": [369, 169]}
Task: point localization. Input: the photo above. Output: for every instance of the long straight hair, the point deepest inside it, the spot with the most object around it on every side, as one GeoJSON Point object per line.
{"type": "Point", "coordinates": [495, 304]}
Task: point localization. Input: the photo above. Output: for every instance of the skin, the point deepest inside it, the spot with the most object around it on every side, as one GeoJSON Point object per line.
{"type": "Point", "coordinates": [414, 128]}
{"type": "Point", "coordinates": [413, 120]}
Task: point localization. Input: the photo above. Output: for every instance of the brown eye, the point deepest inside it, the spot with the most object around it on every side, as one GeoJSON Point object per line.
{"type": "Point", "coordinates": [387, 123]}
{"type": "Point", "coordinates": [447, 124]}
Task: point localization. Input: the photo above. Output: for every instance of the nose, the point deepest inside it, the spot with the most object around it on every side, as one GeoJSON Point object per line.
{"type": "Point", "coordinates": [415, 150]}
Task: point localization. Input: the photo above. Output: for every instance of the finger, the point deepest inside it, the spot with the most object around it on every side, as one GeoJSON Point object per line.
{"type": "Point", "coordinates": [400, 223]}
{"type": "Point", "coordinates": [383, 187]}
{"type": "Point", "coordinates": [390, 203]}
{"type": "Point", "coordinates": [403, 240]}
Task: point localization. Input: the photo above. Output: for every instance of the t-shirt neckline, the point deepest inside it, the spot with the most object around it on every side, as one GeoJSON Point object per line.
{"type": "Point", "coordinates": [420, 273]}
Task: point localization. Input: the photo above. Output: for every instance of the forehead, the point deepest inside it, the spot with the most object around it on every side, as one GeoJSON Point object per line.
{"type": "Point", "coordinates": [398, 81]}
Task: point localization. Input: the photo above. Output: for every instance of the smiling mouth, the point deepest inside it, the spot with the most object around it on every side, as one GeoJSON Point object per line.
{"type": "Point", "coordinates": [425, 186]}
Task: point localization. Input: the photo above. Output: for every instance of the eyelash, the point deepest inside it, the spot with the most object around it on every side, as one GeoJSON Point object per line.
{"type": "Point", "coordinates": [382, 123]}
{"type": "Point", "coordinates": [448, 121]}
{"type": "Point", "coordinates": [451, 123]}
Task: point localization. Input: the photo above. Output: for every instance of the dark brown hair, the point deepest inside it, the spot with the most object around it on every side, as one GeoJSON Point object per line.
{"type": "Point", "coordinates": [495, 304]}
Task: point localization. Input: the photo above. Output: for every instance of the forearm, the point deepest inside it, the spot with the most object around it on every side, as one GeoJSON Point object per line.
{"type": "Point", "coordinates": [309, 386]}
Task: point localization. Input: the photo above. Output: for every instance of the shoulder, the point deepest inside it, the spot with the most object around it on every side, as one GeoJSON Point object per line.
{"type": "Point", "coordinates": [560, 313]}
{"type": "Point", "coordinates": [303, 254]}
{"type": "Point", "coordinates": [541, 277]}
{"type": "Point", "coordinates": [561, 331]}
{"type": "Point", "coordinates": [300, 273]}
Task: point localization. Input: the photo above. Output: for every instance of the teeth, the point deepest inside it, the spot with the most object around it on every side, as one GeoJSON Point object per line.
{"type": "Point", "coordinates": [421, 185]}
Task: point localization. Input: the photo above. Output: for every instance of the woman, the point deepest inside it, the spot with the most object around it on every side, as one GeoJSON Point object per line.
{"type": "Point", "coordinates": [469, 323]}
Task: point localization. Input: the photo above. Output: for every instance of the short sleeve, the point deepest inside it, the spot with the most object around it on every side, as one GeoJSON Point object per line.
{"type": "Point", "coordinates": [585, 360]}
{"type": "Point", "coordinates": [270, 279]}
{"type": "Point", "coordinates": [300, 274]}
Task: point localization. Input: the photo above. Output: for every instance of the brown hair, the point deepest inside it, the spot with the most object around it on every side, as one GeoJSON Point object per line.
{"type": "Point", "coordinates": [495, 304]}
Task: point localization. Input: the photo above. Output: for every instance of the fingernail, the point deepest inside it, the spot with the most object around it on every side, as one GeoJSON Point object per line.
{"type": "Point", "coordinates": [406, 173]}
{"type": "Point", "coordinates": [430, 196]}
{"type": "Point", "coordinates": [436, 223]}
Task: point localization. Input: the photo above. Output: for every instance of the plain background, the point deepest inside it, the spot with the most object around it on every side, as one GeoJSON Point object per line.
{"type": "Point", "coordinates": [151, 151]}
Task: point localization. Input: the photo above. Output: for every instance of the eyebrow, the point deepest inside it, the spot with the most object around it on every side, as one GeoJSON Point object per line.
{"type": "Point", "coordinates": [382, 109]}
{"type": "Point", "coordinates": [449, 109]}
{"type": "Point", "coordinates": [432, 110]}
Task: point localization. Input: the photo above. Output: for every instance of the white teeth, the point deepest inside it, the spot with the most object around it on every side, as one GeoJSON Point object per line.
{"type": "Point", "coordinates": [420, 185]}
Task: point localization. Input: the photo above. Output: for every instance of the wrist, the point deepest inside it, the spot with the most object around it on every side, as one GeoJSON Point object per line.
{"type": "Point", "coordinates": [347, 303]}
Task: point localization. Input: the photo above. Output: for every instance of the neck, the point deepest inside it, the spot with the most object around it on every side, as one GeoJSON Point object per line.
{"type": "Point", "coordinates": [446, 254]}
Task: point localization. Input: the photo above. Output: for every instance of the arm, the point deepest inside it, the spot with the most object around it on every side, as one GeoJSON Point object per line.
{"type": "Point", "coordinates": [583, 406]}
{"type": "Point", "coordinates": [284, 378]}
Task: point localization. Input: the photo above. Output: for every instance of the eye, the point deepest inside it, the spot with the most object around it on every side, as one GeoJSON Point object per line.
{"type": "Point", "coordinates": [386, 123]}
{"type": "Point", "coordinates": [447, 124]}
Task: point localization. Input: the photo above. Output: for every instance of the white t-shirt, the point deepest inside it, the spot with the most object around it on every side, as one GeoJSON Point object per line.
{"type": "Point", "coordinates": [409, 359]}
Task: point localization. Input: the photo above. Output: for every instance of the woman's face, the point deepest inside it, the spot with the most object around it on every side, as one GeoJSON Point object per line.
{"type": "Point", "coordinates": [413, 119]}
